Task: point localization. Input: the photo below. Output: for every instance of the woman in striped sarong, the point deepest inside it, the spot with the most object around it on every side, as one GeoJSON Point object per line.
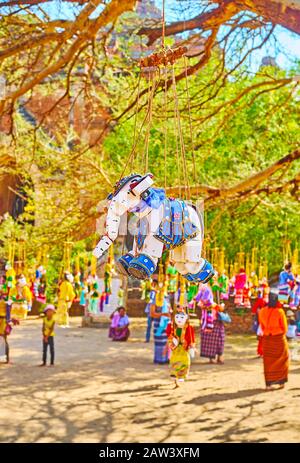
{"type": "Point", "coordinates": [161, 353]}
{"type": "Point", "coordinates": [212, 334]}
{"type": "Point", "coordinates": [274, 326]}
{"type": "Point", "coordinates": [160, 318]}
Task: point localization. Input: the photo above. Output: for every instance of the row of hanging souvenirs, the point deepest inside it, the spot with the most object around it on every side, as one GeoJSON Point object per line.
{"type": "Point", "coordinates": [19, 290]}
{"type": "Point", "coordinates": [92, 292]}
{"type": "Point", "coordinates": [241, 287]}
{"type": "Point", "coordinates": [243, 284]}
{"type": "Point", "coordinates": [249, 261]}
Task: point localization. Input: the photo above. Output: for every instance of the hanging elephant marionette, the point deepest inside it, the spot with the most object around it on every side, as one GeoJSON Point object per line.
{"type": "Point", "coordinates": [164, 223]}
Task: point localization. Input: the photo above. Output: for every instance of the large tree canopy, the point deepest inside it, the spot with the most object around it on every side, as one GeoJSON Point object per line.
{"type": "Point", "coordinates": [70, 89]}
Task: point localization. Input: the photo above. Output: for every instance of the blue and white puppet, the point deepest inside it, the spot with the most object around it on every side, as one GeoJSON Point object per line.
{"type": "Point", "coordinates": [164, 223]}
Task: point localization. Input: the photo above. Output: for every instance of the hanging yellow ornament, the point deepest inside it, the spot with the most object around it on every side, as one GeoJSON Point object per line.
{"type": "Point", "coordinates": [221, 261]}
{"type": "Point", "coordinates": [67, 256]}
{"type": "Point", "coordinates": [254, 259]}
{"type": "Point", "coordinates": [45, 256]}
{"type": "Point", "coordinates": [85, 265]}
{"type": "Point", "coordinates": [260, 271]}
{"type": "Point", "coordinates": [287, 251]}
{"type": "Point", "coordinates": [248, 265]}
{"type": "Point", "coordinates": [11, 251]}
{"type": "Point", "coordinates": [295, 261]}
{"type": "Point", "coordinates": [215, 253]}
{"type": "Point", "coordinates": [111, 257]}
{"type": "Point", "coordinates": [77, 264]}
{"type": "Point", "coordinates": [93, 265]}
{"type": "Point", "coordinates": [265, 271]}
{"type": "Point", "coordinates": [160, 295]}
{"type": "Point", "coordinates": [38, 258]}
{"type": "Point", "coordinates": [182, 285]}
{"type": "Point", "coordinates": [241, 260]}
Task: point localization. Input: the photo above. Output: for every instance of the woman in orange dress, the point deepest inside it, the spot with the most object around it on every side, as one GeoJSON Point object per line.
{"type": "Point", "coordinates": [274, 326]}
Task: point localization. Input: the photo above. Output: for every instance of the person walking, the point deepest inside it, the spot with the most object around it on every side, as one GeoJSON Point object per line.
{"type": "Point", "coordinates": [275, 350]}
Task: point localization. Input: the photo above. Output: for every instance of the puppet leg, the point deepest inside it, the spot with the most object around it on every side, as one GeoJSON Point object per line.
{"type": "Point", "coordinates": [124, 261]}
{"type": "Point", "coordinates": [144, 265]}
{"type": "Point", "coordinates": [188, 261]}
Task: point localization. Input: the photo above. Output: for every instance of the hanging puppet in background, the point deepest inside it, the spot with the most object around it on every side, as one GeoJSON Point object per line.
{"type": "Point", "coordinates": [9, 282]}
{"type": "Point", "coordinates": [204, 294]}
{"type": "Point", "coordinates": [108, 273]}
{"type": "Point", "coordinates": [107, 281]}
{"type": "Point", "coordinates": [295, 296]}
{"type": "Point", "coordinates": [39, 285]}
{"type": "Point", "coordinates": [66, 295]}
{"type": "Point", "coordinates": [102, 301]}
{"type": "Point", "coordinates": [242, 296]}
{"type": "Point", "coordinates": [223, 281]}
{"type": "Point", "coordinates": [120, 296]}
{"type": "Point", "coordinates": [20, 299]}
{"type": "Point", "coordinates": [77, 286]}
{"type": "Point", "coordinates": [220, 286]}
{"type": "Point", "coordinates": [88, 290]}
{"type": "Point", "coordinates": [146, 287]}
{"type": "Point", "coordinates": [181, 339]}
{"type": "Point", "coordinates": [172, 281]}
{"type": "Point", "coordinates": [94, 298]}
{"type": "Point", "coordinates": [231, 288]}
{"type": "Point", "coordinates": [264, 290]}
{"type": "Point", "coordinates": [286, 284]}
{"type": "Point", "coordinates": [253, 285]}
{"type": "Point", "coordinates": [192, 291]}
{"type": "Point", "coordinates": [10, 275]}
{"type": "Point", "coordinates": [164, 223]}
{"type": "Point", "coordinates": [5, 329]}
{"type": "Point", "coordinates": [82, 293]}
{"type": "Point", "coordinates": [5, 288]}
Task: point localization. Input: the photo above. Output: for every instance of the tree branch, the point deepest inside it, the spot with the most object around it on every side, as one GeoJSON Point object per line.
{"type": "Point", "coordinates": [205, 21]}
{"type": "Point", "coordinates": [36, 2]}
{"type": "Point", "coordinates": [212, 195]}
{"type": "Point", "coordinates": [112, 11]}
{"type": "Point", "coordinates": [274, 11]}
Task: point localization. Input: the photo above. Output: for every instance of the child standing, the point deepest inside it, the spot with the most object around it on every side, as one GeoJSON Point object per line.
{"type": "Point", "coordinates": [48, 334]}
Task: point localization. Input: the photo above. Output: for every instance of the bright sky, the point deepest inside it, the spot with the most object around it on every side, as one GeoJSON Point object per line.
{"type": "Point", "coordinates": [288, 41]}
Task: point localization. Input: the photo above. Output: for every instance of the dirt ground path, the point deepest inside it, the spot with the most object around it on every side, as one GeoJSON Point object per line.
{"type": "Point", "coordinates": [107, 392]}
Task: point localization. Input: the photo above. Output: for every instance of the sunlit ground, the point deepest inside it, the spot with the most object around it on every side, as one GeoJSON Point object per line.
{"type": "Point", "coordinates": [101, 391]}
